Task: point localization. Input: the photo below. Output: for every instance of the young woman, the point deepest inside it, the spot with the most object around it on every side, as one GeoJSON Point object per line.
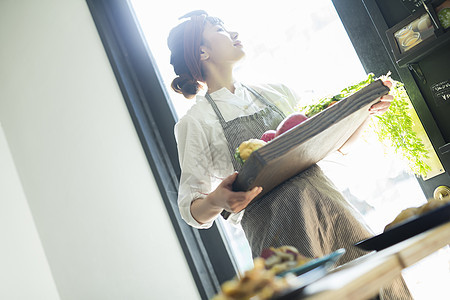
{"type": "Point", "coordinates": [307, 211]}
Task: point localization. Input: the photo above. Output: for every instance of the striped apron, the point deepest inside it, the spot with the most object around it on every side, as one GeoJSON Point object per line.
{"type": "Point", "coordinates": [306, 211]}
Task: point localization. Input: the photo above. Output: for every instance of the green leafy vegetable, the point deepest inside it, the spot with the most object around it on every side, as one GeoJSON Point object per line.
{"type": "Point", "coordinates": [321, 104]}
{"type": "Point", "coordinates": [237, 156]}
{"type": "Point", "coordinates": [394, 128]}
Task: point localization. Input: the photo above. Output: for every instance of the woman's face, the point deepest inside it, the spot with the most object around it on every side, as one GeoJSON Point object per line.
{"type": "Point", "coordinates": [221, 46]}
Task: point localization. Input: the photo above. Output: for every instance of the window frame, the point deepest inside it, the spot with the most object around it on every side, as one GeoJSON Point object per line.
{"type": "Point", "coordinates": [208, 256]}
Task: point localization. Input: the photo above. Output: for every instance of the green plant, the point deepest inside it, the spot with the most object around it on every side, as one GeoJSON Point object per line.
{"type": "Point", "coordinates": [394, 128]}
{"type": "Point", "coordinates": [319, 105]}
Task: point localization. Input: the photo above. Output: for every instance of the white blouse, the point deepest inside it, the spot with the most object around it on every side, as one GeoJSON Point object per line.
{"type": "Point", "coordinates": [202, 147]}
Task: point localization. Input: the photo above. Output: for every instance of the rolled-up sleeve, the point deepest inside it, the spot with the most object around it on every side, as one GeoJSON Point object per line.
{"type": "Point", "coordinates": [195, 161]}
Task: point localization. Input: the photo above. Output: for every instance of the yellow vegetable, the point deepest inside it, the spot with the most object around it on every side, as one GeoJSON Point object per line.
{"type": "Point", "coordinates": [246, 148]}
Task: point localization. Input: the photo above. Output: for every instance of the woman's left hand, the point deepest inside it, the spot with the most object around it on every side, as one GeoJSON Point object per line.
{"type": "Point", "coordinates": [383, 105]}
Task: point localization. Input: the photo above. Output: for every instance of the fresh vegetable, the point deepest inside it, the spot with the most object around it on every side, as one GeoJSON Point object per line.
{"type": "Point", "coordinates": [246, 148]}
{"type": "Point", "coordinates": [394, 128]}
{"type": "Point", "coordinates": [323, 103]}
{"type": "Point", "coordinates": [289, 122]}
{"type": "Point", "coordinates": [268, 135]}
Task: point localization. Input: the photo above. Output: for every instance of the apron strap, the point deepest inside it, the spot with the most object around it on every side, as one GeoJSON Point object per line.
{"type": "Point", "coordinates": [216, 110]}
{"type": "Point", "coordinates": [255, 93]}
{"type": "Point", "coordinates": [264, 100]}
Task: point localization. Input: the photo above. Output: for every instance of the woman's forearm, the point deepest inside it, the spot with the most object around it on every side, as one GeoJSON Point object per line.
{"type": "Point", "coordinates": [202, 210]}
{"type": "Point", "coordinates": [206, 209]}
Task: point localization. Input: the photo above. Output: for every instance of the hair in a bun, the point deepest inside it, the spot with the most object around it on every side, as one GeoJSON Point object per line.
{"type": "Point", "coordinates": [186, 85]}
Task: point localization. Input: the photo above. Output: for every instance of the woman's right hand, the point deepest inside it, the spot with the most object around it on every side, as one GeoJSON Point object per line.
{"type": "Point", "coordinates": [225, 198]}
{"type": "Point", "coordinates": [222, 198]}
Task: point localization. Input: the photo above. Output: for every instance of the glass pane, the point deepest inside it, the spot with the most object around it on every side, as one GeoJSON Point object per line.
{"type": "Point", "coordinates": [305, 47]}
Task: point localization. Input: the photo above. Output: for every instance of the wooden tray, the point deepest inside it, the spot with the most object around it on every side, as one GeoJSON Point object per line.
{"type": "Point", "coordinates": [307, 143]}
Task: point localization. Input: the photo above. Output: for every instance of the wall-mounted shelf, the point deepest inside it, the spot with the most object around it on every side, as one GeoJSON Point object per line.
{"type": "Point", "coordinates": [421, 50]}
{"type": "Point", "coordinates": [434, 39]}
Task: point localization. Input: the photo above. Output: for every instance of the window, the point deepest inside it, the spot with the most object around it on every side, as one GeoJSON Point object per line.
{"type": "Point", "coordinates": [309, 37]}
{"type": "Point", "coordinates": [300, 36]}
{"type": "Point", "coordinates": [307, 48]}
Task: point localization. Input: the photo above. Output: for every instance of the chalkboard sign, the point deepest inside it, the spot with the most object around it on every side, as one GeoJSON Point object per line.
{"type": "Point", "coordinates": [412, 5]}
{"type": "Point", "coordinates": [441, 92]}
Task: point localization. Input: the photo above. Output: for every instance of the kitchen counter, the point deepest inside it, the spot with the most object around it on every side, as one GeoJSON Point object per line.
{"type": "Point", "coordinates": [363, 277]}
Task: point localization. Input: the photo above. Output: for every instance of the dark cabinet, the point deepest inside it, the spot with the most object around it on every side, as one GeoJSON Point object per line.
{"type": "Point", "coordinates": [423, 65]}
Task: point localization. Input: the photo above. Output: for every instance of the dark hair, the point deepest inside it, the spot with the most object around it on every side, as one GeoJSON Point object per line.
{"type": "Point", "coordinates": [184, 42]}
